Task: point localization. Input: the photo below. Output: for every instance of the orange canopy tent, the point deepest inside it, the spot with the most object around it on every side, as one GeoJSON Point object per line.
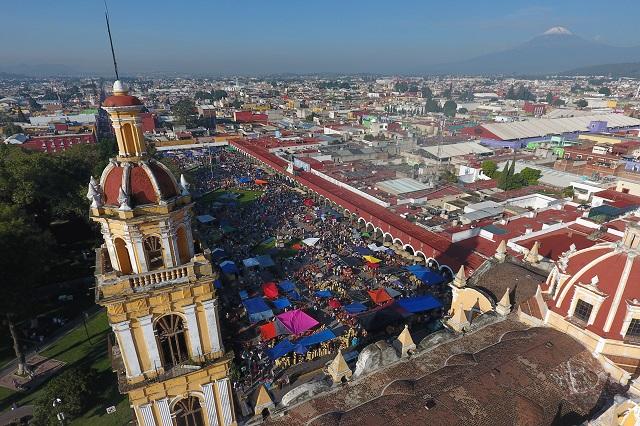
{"type": "Point", "coordinates": [379, 296]}
{"type": "Point", "coordinates": [261, 182]}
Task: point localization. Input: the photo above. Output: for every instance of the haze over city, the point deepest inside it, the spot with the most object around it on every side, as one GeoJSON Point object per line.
{"type": "Point", "coordinates": [285, 36]}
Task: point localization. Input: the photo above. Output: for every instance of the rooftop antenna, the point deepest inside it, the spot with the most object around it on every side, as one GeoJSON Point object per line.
{"type": "Point", "coordinates": [113, 53]}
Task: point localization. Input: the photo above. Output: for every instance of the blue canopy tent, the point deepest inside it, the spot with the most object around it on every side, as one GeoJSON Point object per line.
{"type": "Point", "coordinates": [415, 268]}
{"type": "Point", "coordinates": [281, 303]}
{"type": "Point", "coordinates": [229, 267]}
{"type": "Point", "coordinates": [287, 286]}
{"type": "Point", "coordinates": [281, 349]}
{"type": "Point", "coordinates": [419, 304]}
{"type": "Point", "coordinates": [243, 294]}
{"type": "Point", "coordinates": [244, 179]}
{"type": "Point", "coordinates": [218, 254]}
{"type": "Point", "coordinates": [363, 251]}
{"type": "Point", "coordinates": [257, 309]}
{"type": "Point", "coordinates": [265, 261]}
{"type": "Point", "coordinates": [430, 277]}
{"type": "Point", "coordinates": [315, 338]}
{"type": "Point", "coordinates": [294, 295]}
{"type": "Point", "coordinates": [300, 349]}
{"type": "Point", "coordinates": [355, 308]}
{"type": "Point", "coordinates": [425, 274]}
{"type": "Point", "coordinates": [324, 294]}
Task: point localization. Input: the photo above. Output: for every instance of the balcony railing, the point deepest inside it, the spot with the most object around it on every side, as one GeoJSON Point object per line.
{"type": "Point", "coordinates": [176, 274]}
{"type": "Point", "coordinates": [113, 283]}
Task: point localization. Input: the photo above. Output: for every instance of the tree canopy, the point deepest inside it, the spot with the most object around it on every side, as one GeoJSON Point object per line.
{"type": "Point", "coordinates": [184, 112]}
{"type": "Point", "coordinates": [520, 93]}
{"type": "Point", "coordinates": [76, 390]}
{"type": "Point", "coordinates": [449, 108]}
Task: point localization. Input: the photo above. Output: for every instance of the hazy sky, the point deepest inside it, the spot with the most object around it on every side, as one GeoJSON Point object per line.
{"type": "Point", "coordinates": [252, 37]}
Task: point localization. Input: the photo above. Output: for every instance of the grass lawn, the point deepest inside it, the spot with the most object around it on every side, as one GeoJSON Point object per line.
{"type": "Point", "coordinates": [246, 196]}
{"type": "Point", "coordinates": [76, 349]}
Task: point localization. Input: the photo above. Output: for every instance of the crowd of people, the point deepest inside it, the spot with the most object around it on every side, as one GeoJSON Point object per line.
{"type": "Point", "coordinates": [328, 272]}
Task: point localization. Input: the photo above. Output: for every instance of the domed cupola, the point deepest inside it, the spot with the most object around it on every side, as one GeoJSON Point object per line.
{"type": "Point", "coordinates": [124, 111]}
{"type": "Point", "coordinates": [597, 289]}
{"type": "Point", "coordinates": [140, 183]}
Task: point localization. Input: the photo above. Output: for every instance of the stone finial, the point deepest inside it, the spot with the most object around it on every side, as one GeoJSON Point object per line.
{"type": "Point", "coordinates": [533, 255]}
{"type": "Point", "coordinates": [123, 199]}
{"type": "Point", "coordinates": [94, 194]}
{"type": "Point", "coordinates": [461, 279]}
{"type": "Point", "coordinates": [504, 305]}
{"type": "Point", "coordinates": [338, 368]}
{"type": "Point", "coordinates": [501, 251]}
{"type": "Point", "coordinates": [404, 342]}
{"type": "Point", "coordinates": [262, 400]}
{"type": "Point", "coordinates": [184, 185]}
{"type": "Point", "coordinates": [458, 321]}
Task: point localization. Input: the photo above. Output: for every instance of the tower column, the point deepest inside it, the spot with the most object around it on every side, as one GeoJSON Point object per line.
{"type": "Point", "coordinates": [165, 413]}
{"type": "Point", "coordinates": [168, 247]}
{"type": "Point", "coordinates": [147, 415]}
{"type": "Point", "coordinates": [138, 249]}
{"type": "Point", "coordinates": [150, 341]}
{"type": "Point", "coordinates": [189, 233]}
{"type": "Point", "coordinates": [108, 241]}
{"type": "Point", "coordinates": [192, 327]}
{"type": "Point", "coordinates": [213, 324]}
{"type": "Point", "coordinates": [127, 348]}
{"type": "Point", "coordinates": [210, 404]}
{"type": "Point", "coordinates": [225, 401]}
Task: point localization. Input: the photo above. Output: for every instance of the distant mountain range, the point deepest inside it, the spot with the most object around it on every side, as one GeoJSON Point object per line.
{"type": "Point", "coordinates": [627, 69]}
{"type": "Point", "coordinates": [555, 51]}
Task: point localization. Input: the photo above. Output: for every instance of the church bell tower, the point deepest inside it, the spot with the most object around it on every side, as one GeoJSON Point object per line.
{"type": "Point", "coordinates": [156, 283]}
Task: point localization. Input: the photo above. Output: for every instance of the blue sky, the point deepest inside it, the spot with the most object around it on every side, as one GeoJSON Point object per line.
{"type": "Point", "coordinates": [252, 37]}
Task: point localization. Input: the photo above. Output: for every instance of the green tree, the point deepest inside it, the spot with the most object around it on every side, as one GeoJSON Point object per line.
{"type": "Point", "coordinates": [581, 103]}
{"type": "Point", "coordinates": [503, 177]}
{"type": "Point", "coordinates": [184, 112]}
{"type": "Point", "coordinates": [11, 129]}
{"type": "Point", "coordinates": [23, 250]}
{"type": "Point", "coordinates": [489, 168]}
{"type": "Point", "coordinates": [568, 191]}
{"type": "Point", "coordinates": [432, 106]}
{"type": "Point", "coordinates": [530, 176]}
{"type": "Point", "coordinates": [549, 98]}
{"type": "Point", "coordinates": [449, 108]}
{"type": "Point", "coordinates": [401, 86]}
{"type": "Point", "coordinates": [604, 91]}
{"type": "Point", "coordinates": [426, 92]}
{"type": "Point", "coordinates": [75, 388]}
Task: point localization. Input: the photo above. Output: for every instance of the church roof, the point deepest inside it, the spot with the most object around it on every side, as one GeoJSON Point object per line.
{"type": "Point", "coordinates": [145, 183]}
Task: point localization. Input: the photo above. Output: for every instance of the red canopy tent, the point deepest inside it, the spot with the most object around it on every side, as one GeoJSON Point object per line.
{"type": "Point", "coordinates": [268, 331]}
{"type": "Point", "coordinates": [379, 296]}
{"type": "Point", "coordinates": [261, 182]}
{"type": "Point", "coordinates": [270, 290]}
{"type": "Point", "coordinates": [334, 303]}
{"type": "Point", "coordinates": [373, 265]}
{"type": "Point", "coordinates": [308, 202]}
{"type": "Point", "coordinates": [296, 246]}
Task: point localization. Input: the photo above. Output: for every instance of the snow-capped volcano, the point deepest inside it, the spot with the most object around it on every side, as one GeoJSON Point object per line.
{"type": "Point", "coordinates": [557, 31]}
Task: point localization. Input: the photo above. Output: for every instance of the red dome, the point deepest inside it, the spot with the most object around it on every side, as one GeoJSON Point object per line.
{"type": "Point", "coordinates": [121, 101]}
{"type": "Point", "coordinates": [608, 271]}
{"type": "Point", "coordinates": [145, 184]}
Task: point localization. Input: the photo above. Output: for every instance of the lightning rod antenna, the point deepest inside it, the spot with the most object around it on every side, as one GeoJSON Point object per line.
{"type": "Point", "coordinates": [113, 53]}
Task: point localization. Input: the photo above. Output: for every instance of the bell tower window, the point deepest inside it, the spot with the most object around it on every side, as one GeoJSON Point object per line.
{"type": "Point", "coordinates": [153, 250]}
{"type": "Point", "coordinates": [124, 263]}
{"type": "Point", "coordinates": [172, 340]}
{"type": "Point", "coordinates": [188, 412]}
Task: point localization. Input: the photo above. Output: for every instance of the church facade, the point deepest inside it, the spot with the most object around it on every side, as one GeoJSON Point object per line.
{"type": "Point", "coordinates": [156, 282]}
